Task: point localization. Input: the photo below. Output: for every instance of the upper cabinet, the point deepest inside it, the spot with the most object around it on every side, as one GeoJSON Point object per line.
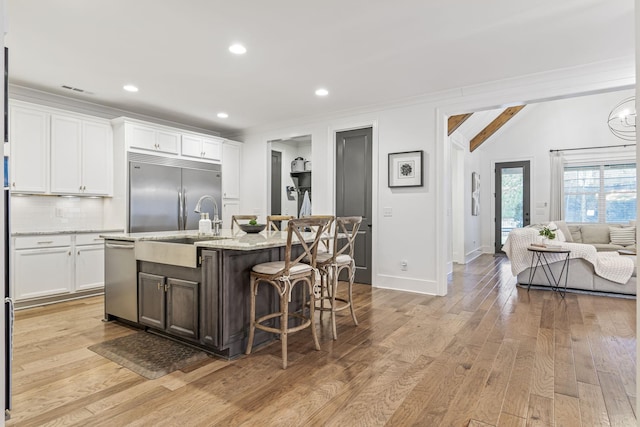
{"type": "Point", "coordinates": [29, 138]}
{"type": "Point", "coordinates": [144, 137]}
{"type": "Point", "coordinates": [200, 146]}
{"type": "Point", "coordinates": [149, 137]}
{"type": "Point", "coordinates": [231, 152]}
{"type": "Point", "coordinates": [58, 152]}
{"type": "Point", "coordinates": [80, 156]}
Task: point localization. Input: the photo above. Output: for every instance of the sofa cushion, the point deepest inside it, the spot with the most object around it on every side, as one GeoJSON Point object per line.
{"type": "Point", "coordinates": [595, 233]}
{"type": "Point", "coordinates": [606, 247]}
{"type": "Point", "coordinates": [562, 226]}
{"type": "Point", "coordinates": [576, 233]}
{"type": "Point", "coordinates": [624, 236]}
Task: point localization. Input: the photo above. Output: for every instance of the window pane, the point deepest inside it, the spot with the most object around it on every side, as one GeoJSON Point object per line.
{"type": "Point", "coordinates": [590, 190]}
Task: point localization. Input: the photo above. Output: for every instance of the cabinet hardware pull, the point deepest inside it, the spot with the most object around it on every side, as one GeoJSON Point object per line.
{"type": "Point", "coordinates": [166, 288]}
{"type": "Point", "coordinates": [78, 252]}
{"type": "Point", "coordinates": [158, 285]}
{"type": "Point", "coordinates": [69, 253]}
{"type": "Point", "coordinates": [14, 184]}
{"type": "Point", "coordinates": [45, 242]}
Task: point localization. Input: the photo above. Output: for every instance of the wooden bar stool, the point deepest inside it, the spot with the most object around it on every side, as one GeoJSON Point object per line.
{"type": "Point", "coordinates": [273, 220]}
{"type": "Point", "coordinates": [283, 276]}
{"type": "Point", "coordinates": [235, 219]}
{"type": "Point", "coordinates": [332, 263]}
{"type": "Point", "coordinates": [326, 245]}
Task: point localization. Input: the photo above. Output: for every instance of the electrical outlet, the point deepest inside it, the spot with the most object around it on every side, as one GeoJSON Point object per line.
{"type": "Point", "coordinates": [404, 265]}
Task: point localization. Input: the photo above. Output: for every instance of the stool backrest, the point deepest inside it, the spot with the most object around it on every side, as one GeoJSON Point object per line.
{"type": "Point", "coordinates": [298, 228]}
{"type": "Point", "coordinates": [327, 229]}
{"type": "Point", "coordinates": [236, 218]}
{"type": "Point", "coordinates": [273, 219]}
{"type": "Point", "coordinates": [347, 226]}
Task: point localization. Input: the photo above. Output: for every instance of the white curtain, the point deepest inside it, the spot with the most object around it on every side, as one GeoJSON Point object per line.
{"type": "Point", "coordinates": [556, 202]}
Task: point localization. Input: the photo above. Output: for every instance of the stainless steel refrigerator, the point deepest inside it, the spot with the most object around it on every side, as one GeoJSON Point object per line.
{"type": "Point", "coordinates": [163, 192]}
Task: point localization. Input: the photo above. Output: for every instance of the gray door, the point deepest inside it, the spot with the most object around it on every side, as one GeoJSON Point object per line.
{"type": "Point", "coordinates": [195, 184]}
{"type": "Point", "coordinates": [512, 199]}
{"type": "Point", "coordinates": [276, 183]}
{"type": "Point", "coordinates": [353, 191]}
{"type": "Point", "coordinates": [153, 197]}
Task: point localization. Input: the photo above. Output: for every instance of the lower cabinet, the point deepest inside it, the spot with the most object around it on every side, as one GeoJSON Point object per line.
{"type": "Point", "coordinates": [53, 265]}
{"type": "Point", "coordinates": [169, 304]}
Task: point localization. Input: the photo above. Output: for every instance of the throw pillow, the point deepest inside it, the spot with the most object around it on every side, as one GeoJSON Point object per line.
{"type": "Point", "coordinates": [560, 237]}
{"type": "Point", "coordinates": [623, 236]}
{"type": "Point", "coordinates": [562, 226]}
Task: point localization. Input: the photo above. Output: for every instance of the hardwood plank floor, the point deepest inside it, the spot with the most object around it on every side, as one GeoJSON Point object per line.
{"type": "Point", "coordinates": [487, 354]}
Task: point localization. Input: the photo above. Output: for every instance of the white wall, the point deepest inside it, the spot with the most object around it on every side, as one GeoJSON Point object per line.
{"type": "Point", "coordinates": [566, 123]}
{"type": "Point", "coordinates": [419, 228]}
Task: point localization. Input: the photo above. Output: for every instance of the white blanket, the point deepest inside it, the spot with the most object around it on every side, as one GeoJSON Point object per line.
{"type": "Point", "coordinates": [609, 265]}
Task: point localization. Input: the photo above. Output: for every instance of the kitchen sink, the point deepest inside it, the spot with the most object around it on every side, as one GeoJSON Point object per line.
{"type": "Point", "coordinates": [181, 251]}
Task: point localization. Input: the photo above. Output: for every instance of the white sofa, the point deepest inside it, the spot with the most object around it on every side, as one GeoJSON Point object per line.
{"type": "Point", "coordinates": [582, 272]}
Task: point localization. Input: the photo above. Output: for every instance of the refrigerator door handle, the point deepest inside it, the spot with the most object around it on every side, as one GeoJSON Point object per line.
{"type": "Point", "coordinates": [184, 208]}
{"type": "Point", "coordinates": [12, 317]}
{"type": "Point", "coordinates": [180, 209]}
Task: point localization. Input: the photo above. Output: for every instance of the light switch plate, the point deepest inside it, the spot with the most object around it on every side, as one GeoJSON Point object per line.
{"type": "Point", "coordinates": [388, 212]}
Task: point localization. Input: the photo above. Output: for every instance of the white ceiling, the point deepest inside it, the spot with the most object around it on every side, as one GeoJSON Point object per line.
{"type": "Point", "coordinates": [365, 52]}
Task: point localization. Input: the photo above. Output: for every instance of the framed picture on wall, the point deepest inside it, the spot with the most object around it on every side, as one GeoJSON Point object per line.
{"type": "Point", "coordinates": [406, 169]}
{"type": "Point", "coordinates": [475, 193]}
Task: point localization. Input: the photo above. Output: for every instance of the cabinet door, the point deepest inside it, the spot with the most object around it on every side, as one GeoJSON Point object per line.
{"type": "Point", "coordinates": [139, 136]}
{"type": "Point", "coordinates": [191, 146]}
{"type": "Point", "coordinates": [66, 134]}
{"type": "Point", "coordinates": [211, 149]}
{"type": "Point", "coordinates": [42, 272]}
{"type": "Point", "coordinates": [151, 300]}
{"type": "Point", "coordinates": [229, 208]}
{"type": "Point", "coordinates": [210, 311]}
{"type": "Point", "coordinates": [230, 170]}
{"type": "Point", "coordinates": [29, 139]}
{"type": "Point", "coordinates": [183, 307]}
{"type": "Point", "coordinates": [97, 158]}
{"type": "Point", "coordinates": [89, 267]}
{"type": "Point", "coordinates": [168, 142]}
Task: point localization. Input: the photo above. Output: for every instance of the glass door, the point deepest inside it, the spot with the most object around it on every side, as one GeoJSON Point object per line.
{"type": "Point", "coordinates": [512, 199]}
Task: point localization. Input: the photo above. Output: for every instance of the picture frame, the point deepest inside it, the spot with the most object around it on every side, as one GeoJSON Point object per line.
{"type": "Point", "coordinates": [475, 193]}
{"type": "Point", "coordinates": [406, 169]}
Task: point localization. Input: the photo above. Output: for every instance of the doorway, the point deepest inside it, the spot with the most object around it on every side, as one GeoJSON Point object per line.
{"type": "Point", "coordinates": [512, 189]}
{"type": "Point", "coordinates": [354, 191]}
{"type": "Point", "coordinates": [276, 182]}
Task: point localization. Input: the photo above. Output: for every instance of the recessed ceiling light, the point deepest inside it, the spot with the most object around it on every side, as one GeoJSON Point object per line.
{"type": "Point", "coordinates": [322, 92]}
{"type": "Point", "coordinates": [223, 115]}
{"type": "Point", "coordinates": [130, 88]}
{"type": "Point", "coordinates": [238, 49]}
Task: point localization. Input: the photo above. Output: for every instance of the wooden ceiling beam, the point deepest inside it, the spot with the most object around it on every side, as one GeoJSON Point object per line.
{"type": "Point", "coordinates": [456, 121]}
{"type": "Point", "coordinates": [493, 127]}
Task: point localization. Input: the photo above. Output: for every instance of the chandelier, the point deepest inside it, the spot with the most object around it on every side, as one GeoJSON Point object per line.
{"type": "Point", "coordinates": [622, 119]}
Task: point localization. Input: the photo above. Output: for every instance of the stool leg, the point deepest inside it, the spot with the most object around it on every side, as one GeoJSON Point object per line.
{"type": "Point", "coordinates": [284, 324]}
{"type": "Point", "coordinates": [334, 290]}
{"type": "Point", "coordinates": [312, 309]}
{"type": "Point", "coordinates": [353, 312]}
{"type": "Point", "coordinates": [252, 315]}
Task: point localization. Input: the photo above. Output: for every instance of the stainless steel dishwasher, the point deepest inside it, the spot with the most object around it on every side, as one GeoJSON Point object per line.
{"type": "Point", "coordinates": [120, 281]}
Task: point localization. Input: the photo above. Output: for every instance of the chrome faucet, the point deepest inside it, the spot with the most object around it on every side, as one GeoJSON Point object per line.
{"type": "Point", "coordinates": [216, 221]}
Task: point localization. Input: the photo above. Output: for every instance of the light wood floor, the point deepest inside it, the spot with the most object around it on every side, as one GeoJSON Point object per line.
{"type": "Point", "coordinates": [489, 353]}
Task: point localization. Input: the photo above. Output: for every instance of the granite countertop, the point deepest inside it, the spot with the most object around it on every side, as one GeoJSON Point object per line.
{"type": "Point", "coordinates": [57, 232]}
{"type": "Point", "coordinates": [236, 240]}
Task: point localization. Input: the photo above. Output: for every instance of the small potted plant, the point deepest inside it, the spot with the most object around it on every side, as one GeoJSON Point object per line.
{"type": "Point", "coordinates": [547, 234]}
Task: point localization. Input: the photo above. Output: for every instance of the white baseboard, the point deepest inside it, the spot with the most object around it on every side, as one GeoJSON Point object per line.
{"type": "Point", "coordinates": [420, 286]}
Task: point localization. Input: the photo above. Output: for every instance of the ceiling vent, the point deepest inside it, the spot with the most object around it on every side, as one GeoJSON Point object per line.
{"type": "Point", "coordinates": [76, 89]}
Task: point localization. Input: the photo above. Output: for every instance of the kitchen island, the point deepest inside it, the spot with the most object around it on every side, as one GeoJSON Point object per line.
{"type": "Point", "coordinates": [193, 287]}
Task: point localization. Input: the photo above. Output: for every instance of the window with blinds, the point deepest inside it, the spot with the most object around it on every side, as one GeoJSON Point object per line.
{"type": "Point", "coordinates": [600, 193]}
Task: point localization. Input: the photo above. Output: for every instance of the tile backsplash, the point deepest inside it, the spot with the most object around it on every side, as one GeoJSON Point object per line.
{"type": "Point", "coordinates": [52, 213]}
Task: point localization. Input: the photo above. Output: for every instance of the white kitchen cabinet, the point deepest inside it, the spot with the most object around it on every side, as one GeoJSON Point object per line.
{"type": "Point", "coordinates": [42, 266]}
{"type": "Point", "coordinates": [97, 158]}
{"type": "Point", "coordinates": [66, 146]}
{"type": "Point", "coordinates": [200, 146]}
{"type": "Point", "coordinates": [29, 142]}
{"type": "Point", "coordinates": [89, 262]}
{"type": "Point", "coordinates": [147, 137]}
{"type": "Point", "coordinates": [229, 208]}
{"type": "Point", "coordinates": [55, 265]}
{"type": "Point", "coordinates": [231, 152]}
{"type": "Point", "coordinates": [81, 156]}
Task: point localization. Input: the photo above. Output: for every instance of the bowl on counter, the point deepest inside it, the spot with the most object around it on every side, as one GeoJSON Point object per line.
{"type": "Point", "coordinates": [248, 228]}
